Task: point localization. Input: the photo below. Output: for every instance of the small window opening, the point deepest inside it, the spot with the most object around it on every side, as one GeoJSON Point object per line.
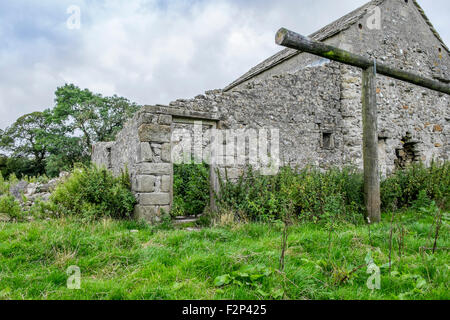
{"type": "Point", "coordinates": [327, 140]}
{"type": "Point", "coordinates": [109, 159]}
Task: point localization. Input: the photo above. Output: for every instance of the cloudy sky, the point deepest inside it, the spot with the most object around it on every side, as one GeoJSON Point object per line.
{"type": "Point", "coordinates": [150, 51]}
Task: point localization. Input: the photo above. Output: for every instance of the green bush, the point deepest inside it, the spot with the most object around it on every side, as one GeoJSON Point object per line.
{"type": "Point", "coordinates": [190, 189]}
{"type": "Point", "coordinates": [43, 209]}
{"type": "Point", "coordinates": [417, 182]}
{"type": "Point", "coordinates": [315, 195]}
{"type": "Point", "coordinates": [93, 192]}
{"type": "Point", "coordinates": [4, 185]}
{"type": "Point", "coordinates": [10, 206]}
{"type": "Point", "coordinates": [307, 194]}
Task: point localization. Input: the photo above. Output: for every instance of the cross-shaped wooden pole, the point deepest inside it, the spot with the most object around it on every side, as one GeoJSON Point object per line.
{"type": "Point", "coordinates": [370, 68]}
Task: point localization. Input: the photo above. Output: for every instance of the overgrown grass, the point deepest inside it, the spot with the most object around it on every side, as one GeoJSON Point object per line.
{"type": "Point", "coordinates": [325, 258]}
{"type": "Point", "coordinates": [155, 263]}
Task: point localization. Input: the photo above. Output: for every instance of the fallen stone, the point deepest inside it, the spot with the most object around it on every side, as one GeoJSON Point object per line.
{"type": "Point", "coordinates": [44, 188]}
{"type": "Point", "coordinates": [18, 189]}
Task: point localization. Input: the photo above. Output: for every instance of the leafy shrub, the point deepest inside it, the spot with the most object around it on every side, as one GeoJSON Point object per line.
{"type": "Point", "coordinates": [417, 182]}
{"type": "Point", "coordinates": [4, 185]}
{"type": "Point", "coordinates": [37, 179]}
{"type": "Point", "coordinates": [94, 192]}
{"type": "Point", "coordinates": [309, 194]}
{"type": "Point", "coordinates": [336, 194]}
{"type": "Point", "coordinates": [10, 206]}
{"type": "Point", "coordinates": [43, 209]}
{"type": "Point", "coordinates": [19, 166]}
{"type": "Point", "coordinates": [190, 189]}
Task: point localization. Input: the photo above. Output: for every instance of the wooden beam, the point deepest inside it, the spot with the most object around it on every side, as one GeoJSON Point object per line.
{"type": "Point", "coordinates": [370, 146]}
{"type": "Point", "coordinates": [296, 41]}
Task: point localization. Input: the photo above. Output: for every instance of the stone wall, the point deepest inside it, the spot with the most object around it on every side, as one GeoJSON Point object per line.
{"type": "Point", "coordinates": [407, 114]}
{"type": "Point", "coordinates": [305, 107]}
{"type": "Point", "coordinates": [314, 103]}
{"type": "Point", "coordinates": [317, 111]}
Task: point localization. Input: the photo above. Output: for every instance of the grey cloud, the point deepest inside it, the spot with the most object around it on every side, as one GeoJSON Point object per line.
{"type": "Point", "coordinates": [150, 51]}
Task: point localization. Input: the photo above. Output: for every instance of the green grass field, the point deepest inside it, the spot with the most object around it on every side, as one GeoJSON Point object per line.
{"type": "Point", "coordinates": [239, 262]}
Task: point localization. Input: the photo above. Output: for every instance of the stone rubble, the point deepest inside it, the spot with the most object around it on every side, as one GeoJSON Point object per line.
{"type": "Point", "coordinates": [33, 192]}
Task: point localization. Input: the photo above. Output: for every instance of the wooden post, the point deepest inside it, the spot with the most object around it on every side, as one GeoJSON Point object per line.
{"type": "Point", "coordinates": [370, 145]}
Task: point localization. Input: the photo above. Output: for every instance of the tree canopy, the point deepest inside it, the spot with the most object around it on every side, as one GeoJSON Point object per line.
{"type": "Point", "coordinates": [53, 140]}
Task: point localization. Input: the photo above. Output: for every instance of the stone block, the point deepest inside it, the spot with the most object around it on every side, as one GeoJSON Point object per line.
{"type": "Point", "coordinates": [166, 152]}
{"type": "Point", "coordinates": [145, 118]}
{"type": "Point", "coordinates": [234, 173]}
{"type": "Point", "coordinates": [154, 199]}
{"type": "Point", "coordinates": [155, 133]}
{"type": "Point", "coordinates": [157, 169]}
{"type": "Point", "coordinates": [165, 183]}
{"type": "Point", "coordinates": [149, 214]}
{"type": "Point", "coordinates": [144, 183]}
{"type": "Point", "coordinates": [146, 153]}
{"type": "Point", "coordinates": [164, 210]}
{"type": "Point", "coordinates": [165, 119]}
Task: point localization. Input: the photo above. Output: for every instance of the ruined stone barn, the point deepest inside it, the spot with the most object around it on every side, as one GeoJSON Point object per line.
{"type": "Point", "coordinates": [313, 102]}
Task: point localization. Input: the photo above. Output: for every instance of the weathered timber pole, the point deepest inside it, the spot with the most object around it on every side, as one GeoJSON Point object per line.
{"type": "Point", "coordinates": [296, 41]}
{"type": "Point", "coordinates": [370, 67]}
{"type": "Point", "coordinates": [370, 146]}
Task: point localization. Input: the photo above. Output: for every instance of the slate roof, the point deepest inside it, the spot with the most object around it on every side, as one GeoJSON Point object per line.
{"type": "Point", "coordinates": [327, 32]}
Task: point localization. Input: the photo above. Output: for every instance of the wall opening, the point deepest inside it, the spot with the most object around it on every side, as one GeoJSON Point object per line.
{"type": "Point", "coordinates": [407, 155]}
{"type": "Point", "coordinates": [193, 177]}
{"type": "Point", "coordinates": [191, 189]}
{"type": "Point", "coordinates": [109, 158]}
{"type": "Point", "coordinates": [327, 140]}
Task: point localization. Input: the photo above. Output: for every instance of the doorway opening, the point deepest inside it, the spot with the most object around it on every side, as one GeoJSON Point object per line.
{"type": "Point", "coordinates": [192, 175]}
{"type": "Point", "coordinates": [191, 189]}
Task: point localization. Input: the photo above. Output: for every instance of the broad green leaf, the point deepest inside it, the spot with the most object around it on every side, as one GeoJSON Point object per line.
{"type": "Point", "coordinates": [222, 280]}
